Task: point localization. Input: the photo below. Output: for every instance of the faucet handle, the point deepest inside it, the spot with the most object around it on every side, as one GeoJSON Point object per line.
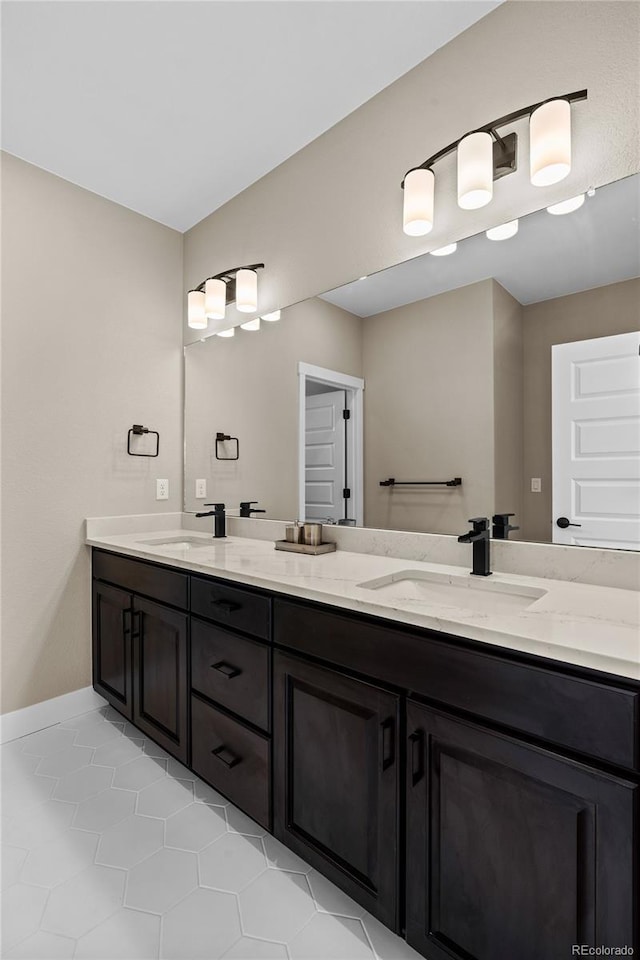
{"type": "Point", "coordinates": [480, 523]}
{"type": "Point", "coordinates": [219, 507]}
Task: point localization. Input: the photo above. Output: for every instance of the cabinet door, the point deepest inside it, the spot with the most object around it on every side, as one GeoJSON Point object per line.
{"type": "Point", "coordinates": [111, 629]}
{"type": "Point", "coordinates": [336, 779]}
{"type": "Point", "coordinates": [160, 689]}
{"type": "Point", "coordinates": [512, 851]}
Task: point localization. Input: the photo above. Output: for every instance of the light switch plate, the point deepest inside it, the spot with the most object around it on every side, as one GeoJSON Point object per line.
{"type": "Point", "coordinates": [536, 485]}
{"type": "Point", "coordinates": [162, 489]}
{"type": "Point", "coordinates": [201, 489]}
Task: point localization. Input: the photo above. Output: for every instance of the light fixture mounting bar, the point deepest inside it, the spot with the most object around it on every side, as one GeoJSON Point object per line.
{"type": "Point", "coordinates": [506, 156]}
{"type": "Point", "coordinates": [229, 275]}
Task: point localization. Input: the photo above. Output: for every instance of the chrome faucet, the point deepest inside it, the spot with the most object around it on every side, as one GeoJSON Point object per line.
{"type": "Point", "coordinates": [219, 519]}
{"type": "Point", "coordinates": [479, 537]}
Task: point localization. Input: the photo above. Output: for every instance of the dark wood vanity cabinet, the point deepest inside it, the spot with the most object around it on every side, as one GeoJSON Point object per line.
{"type": "Point", "coordinates": [481, 802]}
{"type": "Point", "coordinates": [336, 779]}
{"type": "Point", "coordinates": [511, 849]}
{"type": "Point", "coordinates": [140, 647]}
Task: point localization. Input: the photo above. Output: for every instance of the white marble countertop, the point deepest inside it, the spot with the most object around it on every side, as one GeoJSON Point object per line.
{"type": "Point", "coordinates": [589, 626]}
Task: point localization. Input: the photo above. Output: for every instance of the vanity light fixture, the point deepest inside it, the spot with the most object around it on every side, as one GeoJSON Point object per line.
{"type": "Point", "coordinates": [209, 299]}
{"type": "Point", "coordinates": [503, 232]}
{"type": "Point", "coordinates": [195, 310]}
{"type": "Point", "coordinates": [475, 171]}
{"type": "Point", "coordinates": [485, 155]}
{"type": "Point", "coordinates": [550, 143]}
{"type": "Point", "coordinates": [566, 206]}
{"type": "Point", "coordinates": [231, 332]}
{"type": "Point", "coordinates": [271, 317]}
{"type": "Point", "coordinates": [444, 251]}
{"type": "Point", "coordinates": [215, 298]}
{"type": "Point", "coordinates": [419, 188]}
{"type": "Point", "coordinates": [251, 325]}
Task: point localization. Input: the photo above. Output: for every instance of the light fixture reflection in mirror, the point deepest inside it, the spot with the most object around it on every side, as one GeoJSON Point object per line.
{"type": "Point", "coordinates": [566, 206]}
{"type": "Point", "coordinates": [227, 333]}
{"type": "Point", "coordinates": [251, 325]}
{"type": "Point", "coordinates": [504, 232]}
{"type": "Point", "coordinates": [271, 317]}
{"type": "Point", "coordinates": [444, 251]}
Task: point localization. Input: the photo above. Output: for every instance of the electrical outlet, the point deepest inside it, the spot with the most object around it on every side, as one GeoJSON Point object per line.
{"type": "Point", "coordinates": [536, 485]}
{"type": "Point", "coordinates": [162, 489]}
{"type": "Point", "coordinates": [201, 489]}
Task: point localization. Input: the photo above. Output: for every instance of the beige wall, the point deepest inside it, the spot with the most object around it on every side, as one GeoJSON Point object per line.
{"type": "Point", "coordinates": [508, 405]}
{"type": "Point", "coordinates": [602, 312]}
{"type": "Point", "coordinates": [332, 212]}
{"type": "Point", "coordinates": [429, 411]}
{"type": "Point", "coordinates": [91, 301]}
{"type": "Point", "coordinates": [247, 386]}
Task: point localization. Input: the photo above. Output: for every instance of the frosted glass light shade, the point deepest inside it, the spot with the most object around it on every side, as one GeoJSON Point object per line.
{"type": "Point", "coordinates": [195, 310]}
{"type": "Point", "coordinates": [227, 333]}
{"type": "Point", "coordinates": [475, 171]}
{"type": "Point", "coordinates": [566, 206]}
{"type": "Point", "coordinates": [251, 324]}
{"type": "Point", "coordinates": [271, 317]}
{"type": "Point", "coordinates": [417, 215]}
{"type": "Point", "coordinates": [504, 231]}
{"type": "Point", "coordinates": [550, 143]}
{"type": "Point", "coordinates": [247, 291]}
{"type": "Point", "coordinates": [215, 299]}
{"type": "Point", "coordinates": [444, 251]}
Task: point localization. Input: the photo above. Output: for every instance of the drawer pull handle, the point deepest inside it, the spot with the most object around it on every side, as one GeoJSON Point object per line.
{"type": "Point", "coordinates": [226, 669]}
{"type": "Point", "coordinates": [417, 756]}
{"type": "Point", "coordinates": [127, 617]}
{"type": "Point", "coordinates": [226, 756]}
{"type": "Point", "coordinates": [226, 605]}
{"type": "Point", "coordinates": [388, 743]}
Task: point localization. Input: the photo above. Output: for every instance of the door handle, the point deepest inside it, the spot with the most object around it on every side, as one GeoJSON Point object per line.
{"type": "Point", "coordinates": [126, 620]}
{"type": "Point", "coordinates": [417, 756]}
{"type": "Point", "coordinates": [226, 605]}
{"type": "Point", "coordinates": [225, 755]}
{"type": "Point", "coordinates": [388, 727]}
{"type": "Point", "coordinates": [564, 522]}
{"type": "Point", "coordinates": [226, 669]}
{"type": "Point", "coordinates": [136, 623]}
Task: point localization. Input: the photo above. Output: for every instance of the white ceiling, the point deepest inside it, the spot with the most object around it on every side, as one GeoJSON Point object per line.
{"type": "Point", "coordinates": [550, 256]}
{"type": "Point", "coordinates": [172, 108]}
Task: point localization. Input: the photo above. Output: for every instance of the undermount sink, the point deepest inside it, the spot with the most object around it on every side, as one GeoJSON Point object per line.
{"type": "Point", "coordinates": [179, 543]}
{"type": "Point", "coordinates": [482, 595]}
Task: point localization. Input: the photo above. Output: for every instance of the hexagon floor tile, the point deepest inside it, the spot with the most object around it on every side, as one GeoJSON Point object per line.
{"type": "Point", "coordinates": [112, 849]}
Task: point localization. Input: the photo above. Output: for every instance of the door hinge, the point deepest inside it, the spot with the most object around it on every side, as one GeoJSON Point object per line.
{"type": "Point", "coordinates": [346, 414]}
{"type": "Point", "coordinates": [346, 493]}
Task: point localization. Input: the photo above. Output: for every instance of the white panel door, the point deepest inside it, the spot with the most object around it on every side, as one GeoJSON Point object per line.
{"type": "Point", "coordinates": [325, 456]}
{"type": "Point", "coordinates": [596, 442]}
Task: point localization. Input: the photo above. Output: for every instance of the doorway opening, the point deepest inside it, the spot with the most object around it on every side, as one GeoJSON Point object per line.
{"type": "Point", "coordinates": [330, 446]}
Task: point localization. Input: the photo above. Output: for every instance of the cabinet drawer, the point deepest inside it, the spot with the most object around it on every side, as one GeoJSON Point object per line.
{"type": "Point", "coordinates": [233, 759]}
{"type": "Point", "coordinates": [232, 606]}
{"type": "Point", "coordinates": [231, 670]}
{"type": "Point", "coordinates": [589, 716]}
{"type": "Point", "coordinates": [148, 579]}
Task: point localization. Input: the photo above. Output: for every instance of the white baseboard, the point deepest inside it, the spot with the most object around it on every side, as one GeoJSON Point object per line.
{"type": "Point", "coordinates": [19, 723]}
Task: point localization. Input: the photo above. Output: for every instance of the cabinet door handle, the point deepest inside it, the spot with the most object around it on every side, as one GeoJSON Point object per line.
{"type": "Point", "coordinates": [226, 605]}
{"type": "Point", "coordinates": [417, 756]}
{"type": "Point", "coordinates": [388, 727]}
{"type": "Point", "coordinates": [225, 755]}
{"type": "Point", "coordinates": [226, 669]}
{"type": "Point", "coordinates": [126, 620]}
{"type": "Point", "coordinates": [136, 623]}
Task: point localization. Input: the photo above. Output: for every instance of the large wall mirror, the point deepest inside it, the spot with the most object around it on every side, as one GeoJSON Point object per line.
{"type": "Point", "coordinates": [503, 377]}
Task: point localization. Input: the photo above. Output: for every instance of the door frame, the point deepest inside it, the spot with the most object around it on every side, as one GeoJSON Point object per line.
{"type": "Point", "coordinates": [354, 387]}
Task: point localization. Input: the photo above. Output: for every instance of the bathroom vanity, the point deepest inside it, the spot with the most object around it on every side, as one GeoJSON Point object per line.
{"type": "Point", "coordinates": [480, 799]}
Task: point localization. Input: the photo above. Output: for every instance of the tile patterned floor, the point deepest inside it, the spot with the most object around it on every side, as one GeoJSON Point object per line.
{"type": "Point", "coordinates": [111, 849]}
